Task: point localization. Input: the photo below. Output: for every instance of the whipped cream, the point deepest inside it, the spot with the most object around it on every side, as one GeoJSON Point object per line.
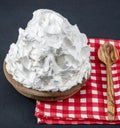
{"type": "Point", "coordinates": [50, 54]}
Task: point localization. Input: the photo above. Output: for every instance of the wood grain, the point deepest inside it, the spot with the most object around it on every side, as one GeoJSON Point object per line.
{"type": "Point", "coordinates": [110, 94]}
{"type": "Point", "coordinates": [108, 54]}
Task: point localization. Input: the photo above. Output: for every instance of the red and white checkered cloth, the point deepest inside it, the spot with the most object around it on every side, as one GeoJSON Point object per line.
{"type": "Point", "coordinates": [89, 105]}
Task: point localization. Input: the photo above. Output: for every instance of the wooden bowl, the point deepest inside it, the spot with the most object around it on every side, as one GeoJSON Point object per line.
{"type": "Point", "coordinates": [41, 95]}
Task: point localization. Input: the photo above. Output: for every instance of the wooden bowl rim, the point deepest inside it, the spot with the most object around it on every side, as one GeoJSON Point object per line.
{"type": "Point", "coordinates": [41, 95]}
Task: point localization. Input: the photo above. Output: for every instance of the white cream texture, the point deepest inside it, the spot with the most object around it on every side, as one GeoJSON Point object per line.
{"type": "Point", "coordinates": [50, 54]}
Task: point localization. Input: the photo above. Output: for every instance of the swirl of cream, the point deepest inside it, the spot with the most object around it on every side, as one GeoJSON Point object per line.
{"type": "Point", "coordinates": [50, 54]}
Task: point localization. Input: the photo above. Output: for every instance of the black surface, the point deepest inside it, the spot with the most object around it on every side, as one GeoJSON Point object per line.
{"type": "Point", "coordinates": [96, 18]}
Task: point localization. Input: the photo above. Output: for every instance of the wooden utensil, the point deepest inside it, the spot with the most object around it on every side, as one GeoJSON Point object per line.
{"type": "Point", "coordinates": [108, 54]}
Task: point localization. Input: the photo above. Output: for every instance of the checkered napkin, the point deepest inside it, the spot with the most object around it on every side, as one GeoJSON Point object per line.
{"type": "Point", "coordinates": [89, 105]}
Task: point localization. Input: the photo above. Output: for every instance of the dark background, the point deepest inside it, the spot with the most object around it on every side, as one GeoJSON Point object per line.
{"type": "Point", "coordinates": [96, 18]}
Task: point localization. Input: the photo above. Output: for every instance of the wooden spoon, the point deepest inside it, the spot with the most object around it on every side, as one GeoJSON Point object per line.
{"type": "Point", "coordinates": [108, 54]}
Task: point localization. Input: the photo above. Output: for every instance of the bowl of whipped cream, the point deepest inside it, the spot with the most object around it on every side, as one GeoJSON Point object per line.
{"type": "Point", "coordinates": [50, 59]}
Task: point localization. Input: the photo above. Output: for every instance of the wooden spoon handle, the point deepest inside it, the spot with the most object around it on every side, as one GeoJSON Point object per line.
{"type": "Point", "coordinates": [110, 94]}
